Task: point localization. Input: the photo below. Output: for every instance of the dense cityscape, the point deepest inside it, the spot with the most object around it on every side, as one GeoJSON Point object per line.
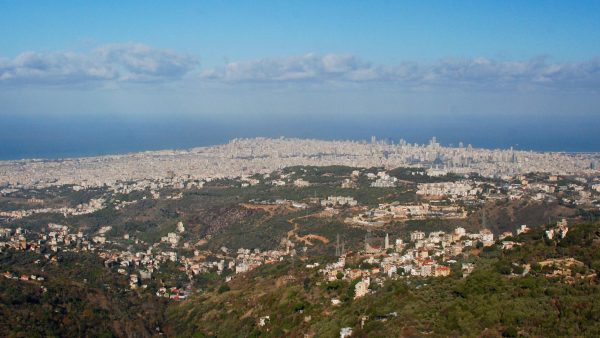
{"type": "Point", "coordinates": [242, 157]}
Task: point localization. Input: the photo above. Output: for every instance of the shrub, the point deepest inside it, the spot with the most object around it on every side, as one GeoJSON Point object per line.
{"type": "Point", "coordinates": [223, 288]}
{"type": "Point", "coordinates": [510, 332]}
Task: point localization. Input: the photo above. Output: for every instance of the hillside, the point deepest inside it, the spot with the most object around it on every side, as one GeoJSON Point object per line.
{"type": "Point", "coordinates": [77, 297]}
{"type": "Point", "coordinates": [491, 302]}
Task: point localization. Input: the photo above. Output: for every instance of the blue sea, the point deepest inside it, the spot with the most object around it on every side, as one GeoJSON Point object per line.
{"type": "Point", "coordinates": [59, 137]}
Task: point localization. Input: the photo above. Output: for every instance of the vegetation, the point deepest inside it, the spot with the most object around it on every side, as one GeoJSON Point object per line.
{"type": "Point", "coordinates": [495, 300]}
{"type": "Point", "coordinates": [81, 299]}
{"type": "Point", "coordinates": [511, 293]}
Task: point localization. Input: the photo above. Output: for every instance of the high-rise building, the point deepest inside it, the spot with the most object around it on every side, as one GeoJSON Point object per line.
{"type": "Point", "coordinates": [433, 142]}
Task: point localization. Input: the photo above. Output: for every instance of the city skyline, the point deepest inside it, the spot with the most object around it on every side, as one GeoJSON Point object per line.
{"type": "Point", "coordinates": [251, 156]}
{"type": "Point", "coordinates": [32, 137]}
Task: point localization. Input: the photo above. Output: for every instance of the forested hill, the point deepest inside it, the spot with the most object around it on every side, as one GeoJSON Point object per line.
{"type": "Point", "coordinates": [511, 293]}
{"type": "Point", "coordinates": [76, 297]}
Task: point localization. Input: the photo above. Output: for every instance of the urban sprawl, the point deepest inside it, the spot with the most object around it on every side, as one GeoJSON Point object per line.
{"type": "Point", "coordinates": [248, 162]}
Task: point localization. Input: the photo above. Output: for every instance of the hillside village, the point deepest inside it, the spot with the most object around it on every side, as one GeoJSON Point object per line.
{"type": "Point", "coordinates": [360, 229]}
{"type": "Point", "coordinates": [416, 254]}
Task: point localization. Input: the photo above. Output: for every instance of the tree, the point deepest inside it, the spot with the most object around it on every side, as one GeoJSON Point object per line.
{"type": "Point", "coordinates": [223, 288]}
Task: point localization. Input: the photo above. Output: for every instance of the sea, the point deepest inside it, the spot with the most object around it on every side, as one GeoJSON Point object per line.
{"type": "Point", "coordinates": [26, 137]}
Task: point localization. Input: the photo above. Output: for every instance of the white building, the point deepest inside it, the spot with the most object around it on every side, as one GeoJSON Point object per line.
{"type": "Point", "coordinates": [486, 237]}
{"type": "Point", "coordinates": [362, 288]}
{"type": "Point", "coordinates": [338, 200]}
{"type": "Point", "coordinates": [417, 236]}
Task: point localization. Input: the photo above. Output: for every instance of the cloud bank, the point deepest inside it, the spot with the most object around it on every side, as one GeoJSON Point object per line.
{"type": "Point", "coordinates": [477, 72]}
{"type": "Point", "coordinates": [131, 62]}
{"type": "Point", "coordinates": [139, 63]}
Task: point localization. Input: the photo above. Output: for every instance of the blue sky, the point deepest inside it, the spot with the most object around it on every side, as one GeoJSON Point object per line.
{"type": "Point", "coordinates": [380, 31]}
{"type": "Point", "coordinates": [258, 59]}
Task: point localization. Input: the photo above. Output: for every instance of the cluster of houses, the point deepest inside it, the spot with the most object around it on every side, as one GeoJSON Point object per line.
{"type": "Point", "coordinates": [578, 191]}
{"type": "Point", "coordinates": [395, 211]}
{"type": "Point", "coordinates": [333, 201]}
{"type": "Point", "coordinates": [461, 189]}
{"type": "Point", "coordinates": [550, 188]}
{"type": "Point", "coordinates": [26, 278]}
{"type": "Point", "coordinates": [173, 293]}
{"type": "Point", "coordinates": [154, 185]}
{"type": "Point", "coordinates": [558, 231]}
{"type": "Point", "coordinates": [247, 260]}
{"type": "Point", "coordinates": [138, 266]}
{"type": "Point", "coordinates": [383, 180]}
{"type": "Point", "coordinates": [424, 255]}
{"type": "Point", "coordinates": [82, 209]}
{"type": "Point", "coordinates": [234, 262]}
{"type": "Point", "coordinates": [15, 276]}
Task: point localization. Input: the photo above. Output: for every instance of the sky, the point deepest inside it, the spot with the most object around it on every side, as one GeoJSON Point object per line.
{"type": "Point", "coordinates": [288, 62]}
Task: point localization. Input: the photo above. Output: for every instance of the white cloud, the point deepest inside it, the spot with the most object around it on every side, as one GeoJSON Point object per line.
{"type": "Point", "coordinates": [117, 62]}
{"type": "Point", "coordinates": [309, 67]}
{"type": "Point", "coordinates": [477, 72]}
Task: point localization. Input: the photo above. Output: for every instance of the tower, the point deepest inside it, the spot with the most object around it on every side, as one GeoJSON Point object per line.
{"type": "Point", "coordinates": [513, 157]}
